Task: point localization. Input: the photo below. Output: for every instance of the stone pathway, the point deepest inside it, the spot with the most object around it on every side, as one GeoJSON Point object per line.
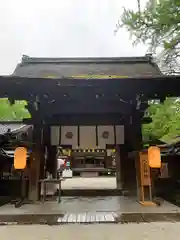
{"type": "Point", "coordinates": [143, 231]}
{"type": "Point", "coordinates": [85, 218]}
{"type": "Point", "coordinates": [118, 204]}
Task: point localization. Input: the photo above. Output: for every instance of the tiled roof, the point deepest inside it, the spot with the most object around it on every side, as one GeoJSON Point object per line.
{"type": "Point", "coordinates": [9, 152]}
{"type": "Point", "coordinates": [12, 127]}
{"type": "Point", "coordinates": [71, 67]}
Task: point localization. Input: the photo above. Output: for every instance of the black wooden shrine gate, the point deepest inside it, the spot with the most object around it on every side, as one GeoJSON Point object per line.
{"type": "Point", "coordinates": [74, 101]}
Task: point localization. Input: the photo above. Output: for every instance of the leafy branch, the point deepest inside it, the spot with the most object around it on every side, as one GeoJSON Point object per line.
{"type": "Point", "coordinates": [158, 26]}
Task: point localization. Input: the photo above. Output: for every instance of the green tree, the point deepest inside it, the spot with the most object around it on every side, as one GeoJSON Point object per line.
{"type": "Point", "coordinates": [14, 112]}
{"type": "Point", "coordinates": [165, 120]}
{"type": "Point", "coordinates": [157, 25]}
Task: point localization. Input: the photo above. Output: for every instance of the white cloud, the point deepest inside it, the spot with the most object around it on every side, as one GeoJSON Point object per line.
{"type": "Point", "coordinates": [60, 28]}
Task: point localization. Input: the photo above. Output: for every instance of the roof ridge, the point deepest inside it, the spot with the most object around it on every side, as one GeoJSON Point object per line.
{"type": "Point", "coordinates": [83, 66]}
{"type": "Point", "coordinates": [28, 59]}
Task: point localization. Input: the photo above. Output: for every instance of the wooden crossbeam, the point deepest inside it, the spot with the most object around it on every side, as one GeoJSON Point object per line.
{"type": "Point", "coordinates": [24, 88]}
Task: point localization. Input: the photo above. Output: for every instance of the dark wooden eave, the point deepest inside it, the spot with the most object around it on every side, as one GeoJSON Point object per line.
{"type": "Point", "coordinates": [149, 87]}
{"type": "Point", "coordinates": [93, 96]}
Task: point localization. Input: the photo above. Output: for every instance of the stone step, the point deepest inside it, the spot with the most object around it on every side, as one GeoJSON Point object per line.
{"type": "Point", "coordinates": [89, 217]}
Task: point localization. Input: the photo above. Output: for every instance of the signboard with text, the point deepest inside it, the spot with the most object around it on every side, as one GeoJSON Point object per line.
{"type": "Point", "coordinates": [144, 170]}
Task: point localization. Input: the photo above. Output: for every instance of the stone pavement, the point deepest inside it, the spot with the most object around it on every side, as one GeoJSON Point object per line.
{"type": "Point", "coordinates": [143, 231]}
{"type": "Point", "coordinates": [118, 204]}
{"type": "Point", "coordinates": [90, 183]}
{"type": "Point", "coordinates": [79, 183]}
{"type": "Point", "coordinates": [85, 210]}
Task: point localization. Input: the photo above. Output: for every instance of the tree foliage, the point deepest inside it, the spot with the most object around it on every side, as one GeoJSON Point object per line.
{"type": "Point", "coordinates": [157, 25]}
{"type": "Point", "coordinates": [13, 112]}
{"type": "Point", "coordinates": [165, 120]}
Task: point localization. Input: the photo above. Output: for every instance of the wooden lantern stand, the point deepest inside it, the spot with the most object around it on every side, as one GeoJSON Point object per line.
{"type": "Point", "coordinates": [145, 181]}
{"type": "Point", "coordinates": [20, 164]}
{"type": "Point", "coordinates": [147, 160]}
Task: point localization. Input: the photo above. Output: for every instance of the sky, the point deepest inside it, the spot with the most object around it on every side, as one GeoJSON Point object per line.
{"type": "Point", "coordinates": [62, 28]}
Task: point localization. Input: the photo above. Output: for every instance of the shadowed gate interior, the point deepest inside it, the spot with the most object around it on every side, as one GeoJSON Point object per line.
{"type": "Point", "coordinates": [92, 148]}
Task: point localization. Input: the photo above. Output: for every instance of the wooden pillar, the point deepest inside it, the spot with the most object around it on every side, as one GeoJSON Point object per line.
{"type": "Point", "coordinates": [133, 142]}
{"type": "Point", "coordinates": [45, 143]}
{"type": "Point", "coordinates": [51, 164]}
{"type": "Point", "coordinates": [120, 159]}
{"type": "Point", "coordinates": [124, 170]}
{"type": "Point", "coordinates": [35, 162]}
{"type": "Point", "coordinates": [126, 165]}
{"type": "Point", "coordinates": [118, 168]}
{"type": "Point", "coordinates": [137, 145]}
{"type": "Point", "coordinates": [137, 130]}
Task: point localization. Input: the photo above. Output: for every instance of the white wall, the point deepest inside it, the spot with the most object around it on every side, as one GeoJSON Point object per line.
{"type": "Point", "coordinates": [103, 141]}
{"type": "Point", "coordinates": [87, 136]}
{"type": "Point", "coordinates": [67, 141]}
{"type": "Point", "coordinates": [55, 135]}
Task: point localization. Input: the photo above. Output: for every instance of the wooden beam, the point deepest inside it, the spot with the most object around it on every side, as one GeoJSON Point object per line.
{"type": "Point", "coordinates": [84, 107]}
{"type": "Point", "coordinates": [85, 119]}
{"type": "Point", "coordinates": [24, 88]}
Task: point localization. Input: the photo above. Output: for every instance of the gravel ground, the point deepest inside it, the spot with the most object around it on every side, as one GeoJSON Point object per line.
{"type": "Point", "coordinates": [145, 231]}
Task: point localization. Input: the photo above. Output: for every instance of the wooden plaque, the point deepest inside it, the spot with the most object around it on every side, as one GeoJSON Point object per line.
{"type": "Point", "coordinates": [144, 170]}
